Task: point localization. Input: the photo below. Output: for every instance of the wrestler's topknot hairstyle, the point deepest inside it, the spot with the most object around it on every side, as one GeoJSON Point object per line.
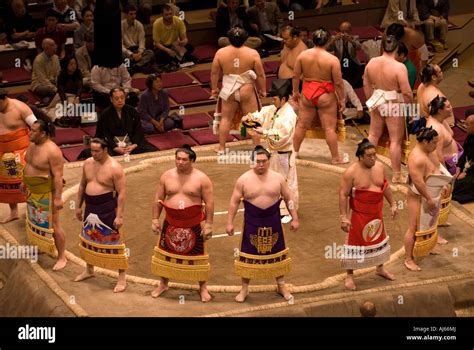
{"type": "Point", "coordinates": [397, 30]}
{"type": "Point", "coordinates": [436, 104]}
{"type": "Point", "coordinates": [362, 146]}
{"type": "Point", "coordinates": [321, 37]}
{"type": "Point", "coordinates": [45, 124]}
{"type": "Point", "coordinates": [188, 150]}
{"type": "Point", "coordinates": [237, 36]}
{"type": "Point", "coordinates": [427, 134]}
{"type": "Point", "coordinates": [99, 141]}
{"type": "Point", "coordinates": [389, 43]}
{"type": "Point", "coordinates": [259, 150]}
{"type": "Point", "coordinates": [427, 73]}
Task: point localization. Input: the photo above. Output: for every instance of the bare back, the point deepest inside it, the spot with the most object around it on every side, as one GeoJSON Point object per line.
{"type": "Point", "coordinates": [100, 177]}
{"type": "Point", "coordinates": [233, 60]}
{"type": "Point", "coordinates": [261, 190]}
{"type": "Point", "coordinates": [385, 73]}
{"type": "Point", "coordinates": [288, 60]}
{"type": "Point", "coordinates": [183, 190]}
{"type": "Point", "coordinates": [317, 64]}
{"type": "Point", "coordinates": [13, 117]}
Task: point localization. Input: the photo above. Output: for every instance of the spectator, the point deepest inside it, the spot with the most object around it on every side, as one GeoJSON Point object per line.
{"type": "Point", "coordinates": [19, 24]}
{"type": "Point", "coordinates": [352, 103]}
{"type": "Point", "coordinates": [401, 11]}
{"type": "Point", "coordinates": [87, 26]}
{"type": "Point", "coordinates": [67, 17]}
{"type": "Point", "coordinates": [133, 42]}
{"type": "Point", "coordinates": [345, 46]}
{"type": "Point", "coordinates": [305, 36]}
{"type": "Point", "coordinates": [119, 125]}
{"type": "Point", "coordinates": [104, 79]}
{"type": "Point", "coordinates": [434, 16]}
{"type": "Point", "coordinates": [154, 107]}
{"type": "Point", "coordinates": [52, 31]}
{"type": "Point", "coordinates": [289, 5]}
{"type": "Point", "coordinates": [85, 58]}
{"type": "Point", "coordinates": [403, 58]}
{"type": "Point", "coordinates": [170, 40]}
{"type": "Point", "coordinates": [265, 18]}
{"type": "Point", "coordinates": [231, 16]}
{"type": "Point", "coordinates": [46, 69]}
{"type": "Point", "coordinates": [464, 186]}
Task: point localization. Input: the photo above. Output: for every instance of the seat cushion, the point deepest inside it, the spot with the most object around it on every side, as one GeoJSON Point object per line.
{"type": "Point", "coordinates": [189, 94]}
{"type": "Point", "coordinates": [69, 136]}
{"type": "Point", "coordinates": [171, 139]}
{"type": "Point", "coordinates": [271, 67]}
{"type": "Point", "coordinates": [15, 76]}
{"type": "Point", "coordinates": [175, 79]}
{"type": "Point", "coordinates": [205, 53]}
{"type": "Point", "coordinates": [206, 137]}
{"type": "Point", "coordinates": [71, 153]}
{"type": "Point", "coordinates": [196, 120]}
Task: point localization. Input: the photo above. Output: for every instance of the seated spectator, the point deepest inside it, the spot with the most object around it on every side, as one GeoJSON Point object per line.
{"type": "Point", "coordinates": [87, 26]}
{"type": "Point", "coordinates": [345, 46]}
{"type": "Point", "coordinates": [51, 30]}
{"type": "Point", "coordinates": [46, 70]}
{"type": "Point", "coordinates": [170, 40]}
{"type": "Point", "coordinates": [20, 25]}
{"type": "Point", "coordinates": [403, 12]}
{"type": "Point", "coordinates": [325, 3]}
{"type": "Point", "coordinates": [290, 5]}
{"type": "Point", "coordinates": [119, 125]}
{"type": "Point", "coordinates": [464, 186]}
{"type": "Point", "coordinates": [223, 3]}
{"type": "Point", "coordinates": [104, 79]}
{"type": "Point", "coordinates": [354, 109]}
{"type": "Point", "coordinates": [154, 107]}
{"type": "Point", "coordinates": [69, 86]}
{"type": "Point", "coordinates": [434, 17]}
{"type": "Point", "coordinates": [85, 59]}
{"type": "Point", "coordinates": [68, 20]}
{"type": "Point", "coordinates": [133, 42]}
{"type": "Point", "coordinates": [231, 16]}
{"type": "Point", "coordinates": [403, 58]}
{"type": "Point", "coordinates": [265, 18]}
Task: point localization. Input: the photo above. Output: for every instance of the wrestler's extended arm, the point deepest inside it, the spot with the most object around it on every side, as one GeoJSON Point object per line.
{"type": "Point", "coordinates": [234, 204]}
{"type": "Point", "coordinates": [296, 77]}
{"type": "Point", "coordinates": [368, 88]}
{"type": "Point", "coordinates": [159, 195]}
{"type": "Point", "coordinates": [344, 192]}
{"type": "Point", "coordinates": [404, 84]}
{"type": "Point", "coordinates": [215, 73]}
{"type": "Point", "coordinates": [290, 203]}
{"type": "Point", "coordinates": [56, 163]}
{"type": "Point", "coordinates": [416, 177]}
{"type": "Point", "coordinates": [338, 83]}
{"type": "Point", "coordinates": [80, 193]}
{"type": "Point", "coordinates": [389, 196]}
{"type": "Point", "coordinates": [208, 197]}
{"type": "Point", "coordinates": [119, 182]}
{"type": "Point", "coordinates": [261, 79]}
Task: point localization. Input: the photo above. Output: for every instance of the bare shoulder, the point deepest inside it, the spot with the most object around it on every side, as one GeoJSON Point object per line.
{"type": "Point", "coordinates": [202, 175]}
{"type": "Point", "coordinates": [115, 166]}
{"type": "Point", "coordinates": [170, 173]}
{"type": "Point", "coordinates": [276, 175]}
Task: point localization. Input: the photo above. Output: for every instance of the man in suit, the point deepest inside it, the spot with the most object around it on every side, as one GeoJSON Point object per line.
{"type": "Point", "coordinates": [265, 18]}
{"type": "Point", "coordinates": [434, 16]}
{"type": "Point", "coordinates": [231, 16]}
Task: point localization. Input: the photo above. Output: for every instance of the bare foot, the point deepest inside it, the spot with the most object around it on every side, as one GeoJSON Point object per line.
{"type": "Point", "coordinates": [349, 283]}
{"type": "Point", "coordinates": [60, 264]}
{"type": "Point", "coordinates": [412, 266]}
{"type": "Point", "coordinates": [435, 252]}
{"type": "Point", "coordinates": [158, 291]}
{"type": "Point", "coordinates": [11, 217]}
{"type": "Point", "coordinates": [442, 241]}
{"type": "Point", "coordinates": [240, 298]}
{"type": "Point", "coordinates": [120, 286]}
{"type": "Point", "coordinates": [380, 271]}
{"type": "Point", "coordinates": [340, 160]}
{"type": "Point", "coordinates": [283, 291]}
{"type": "Point", "coordinates": [205, 295]}
{"type": "Point", "coordinates": [83, 276]}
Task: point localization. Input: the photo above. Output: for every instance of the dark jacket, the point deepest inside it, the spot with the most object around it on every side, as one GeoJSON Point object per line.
{"type": "Point", "coordinates": [426, 8]}
{"type": "Point", "coordinates": [468, 154]}
{"type": "Point", "coordinates": [223, 21]}
{"type": "Point", "coordinates": [110, 125]}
